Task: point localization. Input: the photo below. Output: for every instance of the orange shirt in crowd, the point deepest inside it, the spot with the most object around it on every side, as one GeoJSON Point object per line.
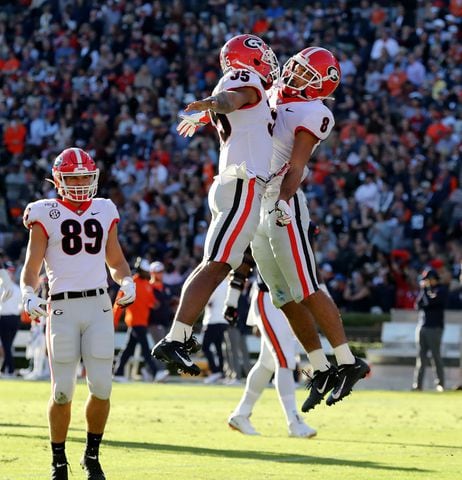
{"type": "Point", "coordinates": [14, 138]}
{"type": "Point", "coordinates": [136, 314]}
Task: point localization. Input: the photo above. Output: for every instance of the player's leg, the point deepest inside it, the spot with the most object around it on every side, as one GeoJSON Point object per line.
{"type": "Point", "coordinates": [235, 211]}
{"type": "Point", "coordinates": [97, 354]}
{"type": "Point", "coordinates": [257, 379]}
{"type": "Point", "coordinates": [63, 344]}
{"type": "Point", "coordinates": [279, 340]}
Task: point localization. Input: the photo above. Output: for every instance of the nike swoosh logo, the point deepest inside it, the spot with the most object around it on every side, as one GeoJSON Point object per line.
{"type": "Point", "coordinates": [59, 465]}
{"type": "Point", "coordinates": [105, 310]}
{"type": "Point", "coordinates": [94, 213]}
{"type": "Point", "coordinates": [188, 363]}
{"type": "Point", "coordinates": [321, 390]}
{"type": "Point", "coordinates": [336, 395]}
{"type": "Point", "coordinates": [289, 110]}
{"type": "Point", "coordinates": [92, 458]}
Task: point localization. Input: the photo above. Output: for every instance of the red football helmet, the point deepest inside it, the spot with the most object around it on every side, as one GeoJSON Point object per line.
{"type": "Point", "coordinates": [312, 73]}
{"type": "Point", "coordinates": [251, 53]}
{"type": "Point", "coordinates": [74, 162]}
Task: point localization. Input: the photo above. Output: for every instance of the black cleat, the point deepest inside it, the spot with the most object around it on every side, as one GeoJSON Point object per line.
{"type": "Point", "coordinates": [59, 467]}
{"type": "Point", "coordinates": [92, 467]}
{"type": "Point", "coordinates": [348, 375]}
{"type": "Point", "coordinates": [319, 385]}
{"type": "Point", "coordinates": [192, 345]}
{"type": "Point", "coordinates": [176, 355]}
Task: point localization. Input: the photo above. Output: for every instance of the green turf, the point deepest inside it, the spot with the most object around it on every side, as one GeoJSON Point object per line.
{"type": "Point", "coordinates": [179, 431]}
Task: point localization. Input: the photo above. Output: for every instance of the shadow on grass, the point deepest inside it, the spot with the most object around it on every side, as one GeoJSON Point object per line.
{"type": "Point", "coordinates": [244, 454]}
{"type": "Point", "coordinates": [43, 426]}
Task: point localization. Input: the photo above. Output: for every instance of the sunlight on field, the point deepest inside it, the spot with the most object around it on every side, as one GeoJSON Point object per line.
{"type": "Point", "coordinates": [180, 431]}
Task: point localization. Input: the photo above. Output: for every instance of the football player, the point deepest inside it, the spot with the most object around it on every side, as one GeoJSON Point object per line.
{"type": "Point", "coordinates": [240, 112]}
{"type": "Point", "coordinates": [76, 237]}
{"type": "Point", "coordinates": [281, 246]}
{"type": "Point", "coordinates": [277, 356]}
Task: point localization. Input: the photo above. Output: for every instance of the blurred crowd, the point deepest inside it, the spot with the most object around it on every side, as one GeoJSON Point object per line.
{"type": "Point", "coordinates": [112, 76]}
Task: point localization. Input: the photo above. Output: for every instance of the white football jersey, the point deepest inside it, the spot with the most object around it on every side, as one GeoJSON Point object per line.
{"type": "Point", "coordinates": [245, 134]}
{"type": "Point", "coordinates": [292, 116]}
{"type": "Point", "coordinates": [75, 258]}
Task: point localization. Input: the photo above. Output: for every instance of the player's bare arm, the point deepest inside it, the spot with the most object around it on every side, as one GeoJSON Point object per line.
{"type": "Point", "coordinates": [301, 153]}
{"type": "Point", "coordinates": [34, 257]}
{"type": "Point", "coordinates": [115, 258]}
{"type": "Point", "coordinates": [227, 101]}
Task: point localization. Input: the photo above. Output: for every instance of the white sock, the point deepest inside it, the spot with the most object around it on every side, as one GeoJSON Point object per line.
{"type": "Point", "coordinates": [319, 360]}
{"type": "Point", "coordinates": [180, 332]}
{"type": "Point", "coordinates": [343, 354]}
{"type": "Point", "coordinates": [285, 386]}
{"type": "Point", "coordinates": [257, 381]}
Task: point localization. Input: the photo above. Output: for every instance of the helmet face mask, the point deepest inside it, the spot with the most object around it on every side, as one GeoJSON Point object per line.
{"type": "Point", "coordinates": [250, 52]}
{"type": "Point", "coordinates": [73, 163]}
{"type": "Point", "coordinates": [313, 73]}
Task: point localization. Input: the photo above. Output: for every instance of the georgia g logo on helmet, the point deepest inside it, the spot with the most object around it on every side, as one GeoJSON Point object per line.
{"type": "Point", "coordinates": [333, 74]}
{"type": "Point", "coordinates": [253, 42]}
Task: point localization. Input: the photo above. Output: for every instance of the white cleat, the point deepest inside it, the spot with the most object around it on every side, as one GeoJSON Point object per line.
{"type": "Point", "coordinates": [120, 379]}
{"type": "Point", "coordinates": [298, 428]}
{"type": "Point", "coordinates": [161, 375]}
{"type": "Point", "coordinates": [242, 424]}
{"type": "Point", "coordinates": [213, 378]}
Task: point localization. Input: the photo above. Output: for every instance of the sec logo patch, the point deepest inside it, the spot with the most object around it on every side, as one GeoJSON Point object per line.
{"type": "Point", "coordinates": [54, 214]}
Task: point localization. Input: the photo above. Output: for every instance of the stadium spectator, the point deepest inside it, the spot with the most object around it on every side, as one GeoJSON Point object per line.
{"type": "Point", "coordinates": [136, 318]}
{"type": "Point", "coordinates": [10, 311]}
{"type": "Point", "coordinates": [86, 87]}
{"type": "Point", "coordinates": [430, 303]}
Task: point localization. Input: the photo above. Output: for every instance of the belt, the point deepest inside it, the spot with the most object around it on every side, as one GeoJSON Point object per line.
{"type": "Point", "coordinates": [83, 294]}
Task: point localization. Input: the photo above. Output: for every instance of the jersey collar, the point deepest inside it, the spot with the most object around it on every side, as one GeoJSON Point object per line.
{"type": "Point", "coordinates": [77, 208]}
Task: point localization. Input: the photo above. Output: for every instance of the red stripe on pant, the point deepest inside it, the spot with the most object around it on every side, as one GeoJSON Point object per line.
{"type": "Point", "coordinates": [240, 223]}
{"type": "Point", "coordinates": [298, 261]}
{"type": "Point", "coordinates": [270, 332]}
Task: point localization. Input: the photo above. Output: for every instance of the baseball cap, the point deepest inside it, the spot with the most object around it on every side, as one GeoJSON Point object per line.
{"type": "Point", "coordinates": [430, 274]}
{"type": "Point", "coordinates": [142, 264]}
{"type": "Point", "coordinates": [156, 267]}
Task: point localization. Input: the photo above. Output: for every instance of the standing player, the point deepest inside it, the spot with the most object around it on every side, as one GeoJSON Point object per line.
{"type": "Point", "coordinates": [6, 285]}
{"type": "Point", "coordinates": [76, 236]}
{"type": "Point", "coordinates": [277, 356]}
{"type": "Point", "coordinates": [239, 110]}
{"type": "Point", "coordinates": [281, 246]}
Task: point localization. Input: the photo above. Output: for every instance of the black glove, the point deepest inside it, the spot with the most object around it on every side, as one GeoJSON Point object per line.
{"type": "Point", "coordinates": [231, 315]}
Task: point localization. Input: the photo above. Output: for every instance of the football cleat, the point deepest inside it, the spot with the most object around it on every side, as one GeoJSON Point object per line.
{"type": "Point", "coordinates": [92, 467]}
{"type": "Point", "coordinates": [242, 424]}
{"type": "Point", "coordinates": [348, 375]}
{"type": "Point", "coordinates": [59, 467]}
{"type": "Point", "coordinates": [319, 384]}
{"type": "Point", "coordinates": [298, 428]}
{"type": "Point", "coordinates": [175, 355]}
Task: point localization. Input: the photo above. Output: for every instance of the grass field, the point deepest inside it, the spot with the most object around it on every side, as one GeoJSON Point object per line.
{"type": "Point", "coordinates": [179, 431]}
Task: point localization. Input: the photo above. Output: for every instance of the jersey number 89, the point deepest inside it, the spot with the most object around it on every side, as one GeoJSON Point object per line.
{"type": "Point", "coordinates": [72, 242]}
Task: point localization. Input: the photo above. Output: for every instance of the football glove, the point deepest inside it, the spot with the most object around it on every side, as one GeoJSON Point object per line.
{"type": "Point", "coordinates": [190, 123]}
{"type": "Point", "coordinates": [231, 315]}
{"type": "Point", "coordinates": [128, 288]}
{"type": "Point", "coordinates": [283, 213]}
{"type": "Point", "coordinates": [7, 286]}
{"type": "Point", "coordinates": [32, 303]}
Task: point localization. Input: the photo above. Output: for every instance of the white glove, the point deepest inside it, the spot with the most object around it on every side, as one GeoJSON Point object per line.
{"type": "Point", "coordinates": [191, 123]}
{"type": "Point", "coordinates": [7, 286]}
{"type": "Point", "coordinates": [32, 303]}
{"type": "Point", "coordinates": [128, 288]}
{"type": "Point", "coordinates": [283, 212]}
